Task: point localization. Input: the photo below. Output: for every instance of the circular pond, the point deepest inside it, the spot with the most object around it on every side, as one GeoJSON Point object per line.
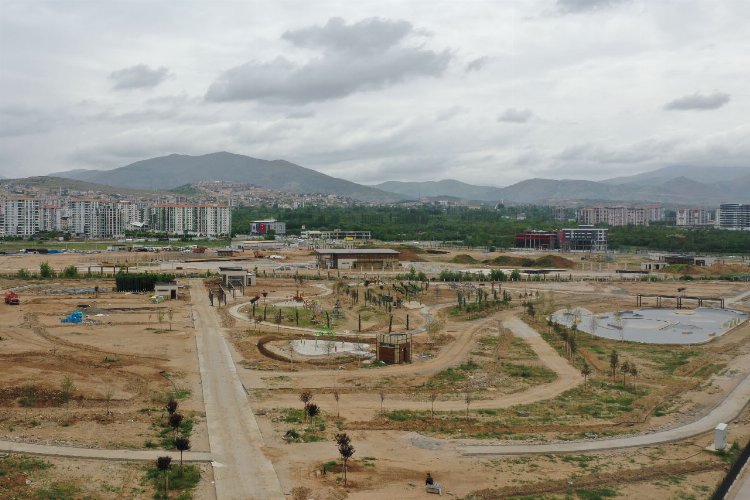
{"type": "Point", "coordinates": [315, 347]}
{"type": "Point", "coordinates": [654, 326]}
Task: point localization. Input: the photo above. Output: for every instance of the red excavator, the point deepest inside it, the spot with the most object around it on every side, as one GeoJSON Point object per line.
{"type": "Point", "coordinates": [12, 298]}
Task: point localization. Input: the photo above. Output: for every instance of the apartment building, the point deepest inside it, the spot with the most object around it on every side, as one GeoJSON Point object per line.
{"type": "Point", "coordinates": [620, 215]}
{"type": "Point", "coordinates": [94, 218]}
{"type": "Point", "coordinates": [21, 216]}
{"type": "Point", "coordinates": [694, 217]}
{"type": "Point", "coordinates": [734, 216]}
{"type": "Point", "coordinates": [189, 219]}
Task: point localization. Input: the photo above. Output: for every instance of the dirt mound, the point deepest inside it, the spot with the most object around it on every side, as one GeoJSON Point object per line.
{"type": "Point", "coordinates": [409, 254]}
{"type": "Point", "coordinates": [544, 261]}
{"type": "Point", "coordinates": [464, 259]}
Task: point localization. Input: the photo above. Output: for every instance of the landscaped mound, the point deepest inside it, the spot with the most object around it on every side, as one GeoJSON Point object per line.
{"type": "Point", "coordinates": [464, 259]}
{"type": "Point", "coordinates": [545, 261]}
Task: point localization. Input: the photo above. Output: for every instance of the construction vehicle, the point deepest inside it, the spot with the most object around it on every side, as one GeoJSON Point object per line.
{"type": "Point", "coordinates": [12, 298]}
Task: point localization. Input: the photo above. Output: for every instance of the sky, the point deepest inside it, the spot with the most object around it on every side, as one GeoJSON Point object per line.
{"type": "Point", "coordinates": [486, 92]}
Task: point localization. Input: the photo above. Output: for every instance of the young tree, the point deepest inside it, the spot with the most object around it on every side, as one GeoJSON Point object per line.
{"type": "Point", "coordinates": [625, 370]}
{"type": "Point", "coordinates": [67, 388]}
{"type": "Point", "coordinates": [164, 464]}
{"type": "Point", "coordinates": [175, 419]}
{"type": "Point", "coordinates": [382, 398]}
{"type": "Point", "coordinates": [171, 406]}
{"type": "Point", "coordinates": [182, 444]}
{"type": "Point", "coordinates": [467, 400]}
{"type": "Point", "coordinates": [305, 397]}
{"type": "Point", "coordinates": [346, 450]}
{"type": "Point", "coordinates": [634, 374]}
{"type": "Point", "coordinates": [614, 362]}
{"type": "Point", "coordinates": [170, 315]}
{"type": "Point", "coordinates": [433, 397]}
{"type": "Point", "coordinates": [336, 396]}
{"type": "Point", "coordinates": [312, 411]}
{"type": "Point", "coordinates": [108, 394]}
{"type": "Point", "coordinates": [585, 371]}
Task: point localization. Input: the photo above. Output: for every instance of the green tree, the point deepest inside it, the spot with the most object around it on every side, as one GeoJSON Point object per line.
{"type": "Point", "coordinates": [70, 272]}
{"type": "Point", "coordinates": [46, 271]}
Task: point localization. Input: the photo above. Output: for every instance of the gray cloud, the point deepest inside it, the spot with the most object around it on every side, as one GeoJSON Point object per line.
{"type": "Point", "coordinates": [698, 102]}
{"type": "Point", "coordinates": [513, 115]}
{"type": "Point", "coordinates": [368, 55]}
{"type": "Point", "coordinates": [368, 36]}
{"type": "Point", "coordinates": [138, 77]}
{"type": "Point", "coordinates": [576, 6]}
{"type": "Point", "coordinates": [477, 64]}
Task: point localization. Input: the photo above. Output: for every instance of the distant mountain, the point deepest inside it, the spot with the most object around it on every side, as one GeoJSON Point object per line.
{"type": "Point", "coordinates": [169, 172]}
{"type": "Point", "coordinates": [698, 174]}
{"type": "Point", "coordinates": [445, 187]}
{"type": "Point", "coordinates": [672, 186]}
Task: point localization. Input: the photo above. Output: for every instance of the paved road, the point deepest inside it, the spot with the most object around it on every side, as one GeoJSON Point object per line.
{"type": "Point", "coordinates": [740, 489]}
{"type": "Point", "coordinates": [241, 469]}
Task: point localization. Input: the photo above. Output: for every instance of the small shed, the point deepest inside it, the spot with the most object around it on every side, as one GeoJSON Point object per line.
{"type": "Point", "coordinates": [394, 348]}
{"type": "Point", "coordinates": [167, 289]}
{"type": "Point", "coordinates": [236, 275]}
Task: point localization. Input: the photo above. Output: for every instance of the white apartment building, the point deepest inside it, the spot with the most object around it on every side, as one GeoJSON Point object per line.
{"type": "Point", "coordinates": [208, 221]}
{"type": "Point", "coordinates": [694, 217]}
{"type": "Point", "coordinates": [21, 216]}
{"type": "Point", "coordinates": [94, 218]}
{"type": "Point", "coordinates": [620, 215]}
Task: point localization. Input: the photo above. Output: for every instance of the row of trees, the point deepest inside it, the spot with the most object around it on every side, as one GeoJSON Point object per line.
{"type": "Point", "coordinates": [46, 271]}
{"type": "Point", "coordinates": [484, 227]}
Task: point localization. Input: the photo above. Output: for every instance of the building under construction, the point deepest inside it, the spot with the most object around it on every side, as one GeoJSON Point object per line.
{"type": "Point", "coordinates": [394, 348]}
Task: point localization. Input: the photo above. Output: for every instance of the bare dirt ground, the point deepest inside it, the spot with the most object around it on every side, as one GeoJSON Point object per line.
{"type": "Point", "coordinates": [387, 458]}
{"type": "Point", "coordinates": [99, 384]}
{"type": "Point", "coordinates": [117, 362]}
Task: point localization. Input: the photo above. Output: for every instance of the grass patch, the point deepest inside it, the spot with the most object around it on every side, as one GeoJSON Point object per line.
{"type": "Point", "coordinates": [581, 461]}
{"type": "Point", "coordinates": [596, 493]}
{"type": "Point", "coordinates": [182, 480]}
{"type": "Point", "coordinates": [538, 373]}
{"type": "Point", "coordinates": [64, 490]}
{"type": "Point", "coordinates": [21, 463]}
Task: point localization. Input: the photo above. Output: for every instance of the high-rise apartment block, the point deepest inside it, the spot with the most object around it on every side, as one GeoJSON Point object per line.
{"type": "Point", "coordinates": [734, 216]}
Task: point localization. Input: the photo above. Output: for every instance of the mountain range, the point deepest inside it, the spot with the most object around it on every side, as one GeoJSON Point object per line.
{"type": "Point", "coordinates": [169, 172]}
{"type": "Point", "coordinates": [673, 185]}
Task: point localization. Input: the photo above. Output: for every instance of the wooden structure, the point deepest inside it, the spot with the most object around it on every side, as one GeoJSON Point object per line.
{"type": "Point", "coordinates": [678, 300]}
{"type": "Point", "coordinates": [357, 258]}
{"type": "Point", "coordinates": [394, 348]}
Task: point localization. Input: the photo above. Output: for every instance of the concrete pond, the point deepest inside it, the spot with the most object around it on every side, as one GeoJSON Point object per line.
{"type": "Point", "coordinates": [654, 326]}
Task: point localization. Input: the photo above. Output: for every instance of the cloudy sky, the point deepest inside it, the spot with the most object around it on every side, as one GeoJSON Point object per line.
{"type": "Point", "coordinates": [488, 92]}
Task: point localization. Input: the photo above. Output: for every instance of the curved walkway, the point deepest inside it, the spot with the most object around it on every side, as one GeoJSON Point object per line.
{"type": "Point", "coordinates": [726, 411]}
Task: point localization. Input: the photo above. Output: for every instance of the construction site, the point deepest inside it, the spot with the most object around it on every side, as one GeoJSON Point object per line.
{"type": "Point", "coordinates": [497, 388]}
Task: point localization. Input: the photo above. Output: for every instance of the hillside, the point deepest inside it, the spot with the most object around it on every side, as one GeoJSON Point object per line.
{"type": "Point", "coordinates": [445, 187]}
{"type": "Point", "coordinates": [173, 171]}
{"type": "Point", "coordinates": [52, 184]}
